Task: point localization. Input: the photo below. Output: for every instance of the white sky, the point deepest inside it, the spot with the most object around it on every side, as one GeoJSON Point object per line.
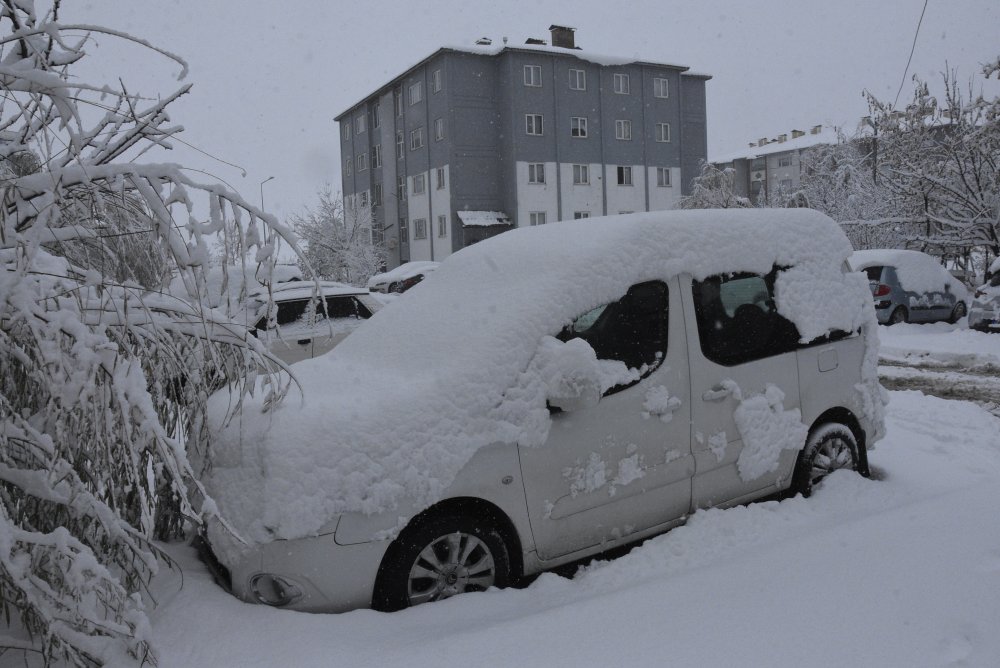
{"type": "Point", "coordinates": [269, 77]}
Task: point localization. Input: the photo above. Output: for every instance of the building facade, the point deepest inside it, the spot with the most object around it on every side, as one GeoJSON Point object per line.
{"type": "Point", "coordinates": [773, 166]}
{"type": "Point", "coordinates": [473, 141]}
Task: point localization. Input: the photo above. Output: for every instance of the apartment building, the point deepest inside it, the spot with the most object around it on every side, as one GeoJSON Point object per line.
{"type": "Point", "coordinates": [476, 140]}
{"type": "Point", "coordinates": [771, 166]}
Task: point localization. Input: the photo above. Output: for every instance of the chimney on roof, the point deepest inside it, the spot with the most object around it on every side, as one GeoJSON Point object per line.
{"type": "Point", "coordinates": [782, 138]}
{"type": "Point", "coordinates": [762, 141]}
{"type": "Point", "coordinates": [484, 41]}
{"type": "Point", "coordinates": [563, 37]}
{"type": "Point", "coordinates": [535, 40]}
{"type": "Point", "coordinates": [816, 129]}
{"type": "Point", "coordinates": [797, 133]}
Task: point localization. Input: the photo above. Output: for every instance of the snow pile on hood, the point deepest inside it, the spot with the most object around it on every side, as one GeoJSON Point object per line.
{"type": "Point", "coordinates": [395, 411]}
{"type": "Point", "coordinates": [917, 272]}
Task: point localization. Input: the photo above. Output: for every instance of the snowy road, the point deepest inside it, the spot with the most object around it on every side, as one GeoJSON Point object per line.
{"type": "Point", "coordinates": [943, 360]}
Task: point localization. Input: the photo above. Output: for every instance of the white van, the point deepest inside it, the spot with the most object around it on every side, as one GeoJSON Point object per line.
{"type": "Point", "coordinates": [551, 393]}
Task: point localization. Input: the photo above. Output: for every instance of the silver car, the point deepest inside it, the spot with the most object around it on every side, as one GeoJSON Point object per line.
{"type": "Point", "coordinates": [304, 326]}
{"type": "Point", "coordinates": [539, 401]}
{"type": "Point", "coordinates": [910, 286]}
{"type": "Point", "coordinates": [985, 312]}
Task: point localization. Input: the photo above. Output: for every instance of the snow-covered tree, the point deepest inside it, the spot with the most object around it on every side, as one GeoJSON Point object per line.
{"type": "Point", "coordinates": [105, 378]}
{"type": "Point", "coordinates": [713, 188]}
{"type": "Point", "coordinates": [940, 160]}
{"type": "Point", "coordinates": [339, 240]}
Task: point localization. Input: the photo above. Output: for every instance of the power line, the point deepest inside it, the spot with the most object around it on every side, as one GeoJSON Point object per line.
{"type": "Point", "coordinates": [910, 59]}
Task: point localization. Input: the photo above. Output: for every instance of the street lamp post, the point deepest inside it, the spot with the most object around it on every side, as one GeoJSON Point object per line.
{"type": "Point", "coordinates": [262, 191]}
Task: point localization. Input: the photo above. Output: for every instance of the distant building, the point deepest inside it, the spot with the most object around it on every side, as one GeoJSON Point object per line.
{"type": "Point", "coordinates": [472, 141]}
{"type": "Point", "coordinates": [773, 165]}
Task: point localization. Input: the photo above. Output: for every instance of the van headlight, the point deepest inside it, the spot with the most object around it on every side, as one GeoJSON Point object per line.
{"type": "Point", "coordinates": [274, 590]}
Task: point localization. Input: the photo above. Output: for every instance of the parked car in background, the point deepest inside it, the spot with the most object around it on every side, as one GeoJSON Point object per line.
{"type": "Point", "coordinates": [402, 278]}
{"type": "Point", "coordinates": [580, 397]}
{"type": "Point", "coordinates": [305, 326]}
{"type": "Point", "coordinates": [984, 314]}
{"type": "Point", "coordinates": [910, 286]}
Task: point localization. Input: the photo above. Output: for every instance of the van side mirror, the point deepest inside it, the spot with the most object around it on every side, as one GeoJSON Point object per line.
{"type": "Point", "coordinates": [575, 394]}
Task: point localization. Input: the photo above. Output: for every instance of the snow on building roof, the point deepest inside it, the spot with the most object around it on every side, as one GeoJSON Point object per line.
{"type": "Point", "coordinates": [828, 135]}
{"type": "Point", "coordinates": [497, 49]}
{"type": "Point", "coordinates": [392, 414]}
{"type": "Point", "coordinates": [483, 218]}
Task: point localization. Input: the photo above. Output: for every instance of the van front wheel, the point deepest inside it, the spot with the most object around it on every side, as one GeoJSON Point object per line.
{"type": "Point", "coordinates": [830, 447]}
{"type": "Point", "coordinates": [439, 558]}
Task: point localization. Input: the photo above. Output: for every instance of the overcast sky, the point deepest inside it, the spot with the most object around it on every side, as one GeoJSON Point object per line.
{"type": "Point", "coordinates": [269, 77]}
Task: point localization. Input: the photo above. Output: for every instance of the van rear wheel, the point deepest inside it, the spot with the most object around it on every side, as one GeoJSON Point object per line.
{"type": "Point", "coordinates": [830, 447]}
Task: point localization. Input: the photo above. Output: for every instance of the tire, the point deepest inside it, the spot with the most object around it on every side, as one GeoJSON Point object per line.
{"type": "Point", "coordinates": [440, 557]}
{"type": "Point", "coordinates": [898, 316]}
{"type": "Point", "coordinates": [957, 313]}
{"type": "Point", "coordinates": [830, 447]}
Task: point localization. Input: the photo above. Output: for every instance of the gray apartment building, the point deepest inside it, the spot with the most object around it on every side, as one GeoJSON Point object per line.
{"type": "Point", "coordinates": [472, 141]}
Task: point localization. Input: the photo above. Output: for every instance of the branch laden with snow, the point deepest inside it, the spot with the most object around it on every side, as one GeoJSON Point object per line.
{"type": "Point", "coordinates": [106, 374]}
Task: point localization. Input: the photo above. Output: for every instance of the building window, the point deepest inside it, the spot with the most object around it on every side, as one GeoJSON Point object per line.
{"type": "Point", "coordinates": [419, 184]}
{"type": "Point", "coordinates": [397, 101]}
{"type": "Point", "coordinates": [404, 232]}
{"type": "Point", "coordinates": [532, 75]}
{"type": "Point", "coordinates": [536, 218]}
{"type": "Point", "coordinates": [661, 87]}
{"type": "Point", "coordinates": [581, 175]}
{"type": "Point", "coordinates": [663, 177]}
{"type": "Point", "coordinates": [624, 175]}
{"type": "Point", "coordinates": [378, 234]}
{"type": "Point", "coordinates": [363, 199]}
{"type": "Point", "coordinates": [577, 215]}
{"type": "Point", "coordinates": [360, 124]}
{"type": "Point", "coordinates": [377, 194]}
{"type": "Point", "coordinates": [420, 228]}
{"type": "Point", "coordinates": [401, 188]}
{"type": "Point", "coordinates": [376, 115]}
{"type": "Point", "coordinates": [416, 138]}
{"type": "Point", "coordinates": [362, 162]}
{"type": "Point", "coordinates": [621, 84]}
{"type": "Point", "coordinates": [533, 124]}
{"type": "Point", "coordinates": [442, 226]}
{"type": "Point", "coordinates": [436, 81]}
{"type": "Point", "coordinates": [663, 132]}
{"type": "Point", "coordinates": [438, 129]}
{"type": "Point", "coordinates": [399, 145]}
{"type": "Point", "coordinates": [578, 80]}
{"type": "Point", "coordinates": [376, 156]}
{"type": "Point", "coordinates": [623, 130]}
{"type": "Point", "coordinates": [347, 131]}
{"type": "Point", "coordinates": [416, 92]}
{"type": "Point", "coordinates": [440, 178]}
{"type": "Point", "coordinates": [785, 184]}
{"type": "Point", "coordinates": [578, 126]}
{"type": "Point", "coordinates": [785, 161]}
{"type": "Point", "coordinates": [348, 166]}
{"type": "Point", "coordinates": [536, 172]}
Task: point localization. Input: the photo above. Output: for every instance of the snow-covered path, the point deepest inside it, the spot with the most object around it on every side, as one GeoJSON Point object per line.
{"type": "Point", "coordinates": [900, 571]}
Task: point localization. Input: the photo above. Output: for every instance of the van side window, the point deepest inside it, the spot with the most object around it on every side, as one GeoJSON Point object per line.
{"type": "Point", "coordinates": [632, 330]}
{"type": "Point", "coordinates": [738, 321]}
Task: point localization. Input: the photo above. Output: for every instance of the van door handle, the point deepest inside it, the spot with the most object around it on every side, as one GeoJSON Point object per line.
{"type": "Point", "coordinates": [303, 342]}
{"type": "Point", "coordinates": [717, 393]}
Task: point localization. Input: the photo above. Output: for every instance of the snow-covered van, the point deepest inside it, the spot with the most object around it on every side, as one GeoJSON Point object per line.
{"type": "Point", "coordinates": [551, 393]}
{"type": "Point", "coordinates": [985, 312]}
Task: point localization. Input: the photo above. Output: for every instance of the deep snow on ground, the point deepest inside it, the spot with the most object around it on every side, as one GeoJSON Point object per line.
{"type": "Point", "coordinates": [899, 571]}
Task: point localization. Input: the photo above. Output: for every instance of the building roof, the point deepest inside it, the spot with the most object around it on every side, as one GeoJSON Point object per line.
{"type": "Point", "coordinates": [497, 49]}
{"type": "Point", "coordinates": [828, 135]}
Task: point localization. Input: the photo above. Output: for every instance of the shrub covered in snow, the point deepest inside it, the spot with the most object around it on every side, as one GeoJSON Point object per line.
{"type": "Point", "coordinates": [104, 377]}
